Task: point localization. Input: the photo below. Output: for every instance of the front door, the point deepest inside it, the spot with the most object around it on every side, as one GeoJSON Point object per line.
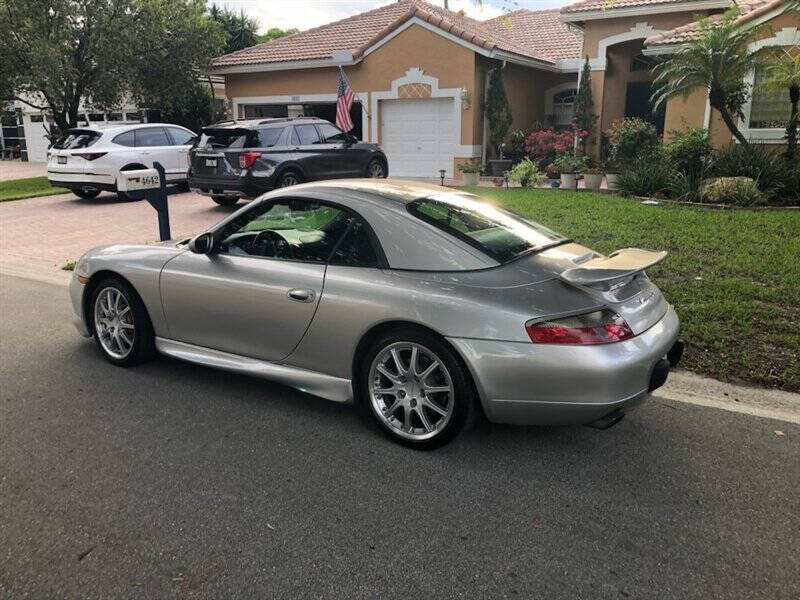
{"type": "Point", "coordinates": [637, 104]}
{"type": "Point", "coordinates": [341, 158]}
{"type": "Point", "coordinates": [256, 295]}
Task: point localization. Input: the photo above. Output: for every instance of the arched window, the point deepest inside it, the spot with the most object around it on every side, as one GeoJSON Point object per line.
{"type": "Point", "coordinates": [563, 107]}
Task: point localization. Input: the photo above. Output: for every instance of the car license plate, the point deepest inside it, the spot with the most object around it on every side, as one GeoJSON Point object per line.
{"type": "Point", "coordinates": [62, 160]}
{"type": "Point", "coordinates": [211, 162]}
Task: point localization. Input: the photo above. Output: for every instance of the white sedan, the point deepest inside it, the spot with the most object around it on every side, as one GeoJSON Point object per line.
{"type": "Point", "coordinates": [88, 160]}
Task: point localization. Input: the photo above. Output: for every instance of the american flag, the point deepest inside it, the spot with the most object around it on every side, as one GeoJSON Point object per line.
{"type": "Point", "coordinates": [343, 104]}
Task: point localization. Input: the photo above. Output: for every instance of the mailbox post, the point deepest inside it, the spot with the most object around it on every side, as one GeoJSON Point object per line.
{"type": "Point", "coordinates": [150, 184]}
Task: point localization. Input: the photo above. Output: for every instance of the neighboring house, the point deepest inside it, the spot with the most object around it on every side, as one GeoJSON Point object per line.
{"type": "Point", "coordinates": [420, 72]}
{"type": "Point", "coordinates": [28, 127]}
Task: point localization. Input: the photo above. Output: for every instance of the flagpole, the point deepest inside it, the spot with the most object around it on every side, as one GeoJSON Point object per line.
{"type": "Point", "coordinates": [363, 104]}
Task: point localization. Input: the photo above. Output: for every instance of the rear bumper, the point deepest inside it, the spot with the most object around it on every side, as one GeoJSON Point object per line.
{"type": "Point", "coordinates": [82, 181]}
{"type": "Point", "coordinates": [538, 384]}
{"type": "Point", "coordinates": [249, 186]}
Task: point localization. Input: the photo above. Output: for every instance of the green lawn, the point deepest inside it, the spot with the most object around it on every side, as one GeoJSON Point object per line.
{"type": "Point", "coordinates": [30, 187]}
{"type": "Point", "coordinates": [733, 276]}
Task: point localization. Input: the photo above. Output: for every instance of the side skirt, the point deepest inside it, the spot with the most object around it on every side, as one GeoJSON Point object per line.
{"type": "Point", "coordinates": [311, 382]}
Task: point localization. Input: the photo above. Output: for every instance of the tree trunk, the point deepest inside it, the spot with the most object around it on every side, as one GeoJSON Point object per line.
{"type": "Point", "coordinates": [791, 130]}
{"type": "Point", "coordinates": [731, 125]}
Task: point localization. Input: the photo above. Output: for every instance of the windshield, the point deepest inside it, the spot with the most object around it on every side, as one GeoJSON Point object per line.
{"type": "Point", "coordinates": [493, 231]}
{"type": "Point", "coordinates": [76, 138]}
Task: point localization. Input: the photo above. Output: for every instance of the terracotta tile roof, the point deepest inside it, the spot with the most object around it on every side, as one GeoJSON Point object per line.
{"type": "Point", "coordinates": [541, 31]}
{"type": "Point", "coordinates": [357, 33]}
{"type": "Point", "coordinates": [750, 10]}
{"type": "Point", "coordinates": [591, 5]}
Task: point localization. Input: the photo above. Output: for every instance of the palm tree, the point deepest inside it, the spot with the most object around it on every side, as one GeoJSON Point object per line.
{"type": "Point", "coordinates": [718, 59]}
{"type": "Point", "coordinates": [785, 75]}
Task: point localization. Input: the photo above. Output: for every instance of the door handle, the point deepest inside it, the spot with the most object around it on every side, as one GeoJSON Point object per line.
{"type": "Point", "coordinates": [301, 295]}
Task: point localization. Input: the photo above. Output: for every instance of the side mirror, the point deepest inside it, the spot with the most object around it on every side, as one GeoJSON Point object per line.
{"type": "Point", "coordinates": [202, 244]}
{"type": "Point", "coordinates": [351, 139]}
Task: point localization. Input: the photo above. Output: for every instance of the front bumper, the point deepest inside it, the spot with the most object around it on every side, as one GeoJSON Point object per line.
{"type": "Point", "coordinates": [537, 384]}
{"type": "Point", "coordinates": [76, 289]}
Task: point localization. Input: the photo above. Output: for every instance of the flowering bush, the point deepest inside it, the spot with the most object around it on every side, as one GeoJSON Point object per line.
{"type": "Point", "coordinates": [630, 139]}
{"type": "Point", "coordinates": [544, 145]}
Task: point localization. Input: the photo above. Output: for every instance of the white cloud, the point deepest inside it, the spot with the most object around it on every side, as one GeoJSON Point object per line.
{"type": "Point", "coordinates": [305, 14]}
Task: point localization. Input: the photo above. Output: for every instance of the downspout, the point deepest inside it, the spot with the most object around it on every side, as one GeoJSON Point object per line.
{"type": "Point", "coordinates": [485, 140]}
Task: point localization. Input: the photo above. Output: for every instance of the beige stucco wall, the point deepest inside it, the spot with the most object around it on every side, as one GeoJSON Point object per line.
{"type": "Point", "coordinates": [452, 64]}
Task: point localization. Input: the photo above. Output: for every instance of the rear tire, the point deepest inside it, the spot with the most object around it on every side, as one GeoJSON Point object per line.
{"type": "Point", "coordinates": [426, 404]}
{"type": "Point", "coordinates": [225, 200]}
{"type": "Point", "coordinates": [86, 194]}
{"type": "Point", "coordinates": [289, 178]}
{"type": "Point", "coordinates": [120, 324]}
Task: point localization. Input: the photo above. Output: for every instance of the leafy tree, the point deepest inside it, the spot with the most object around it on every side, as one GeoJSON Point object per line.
{"type": "Point", "coordinates": [274, 33]}
{"type": "Point", "coordinates": [240, 30]}
{"type": "Point", "coordinates": [718, 60]}
{"type": "Point", "coordinates": [785, 75]}
{"type": "Point", "coordinates": [193, 110]}
{"type": "Point", "coordinates": [58, 54]}
{"type": "Point", "coordinates": [498, 110]}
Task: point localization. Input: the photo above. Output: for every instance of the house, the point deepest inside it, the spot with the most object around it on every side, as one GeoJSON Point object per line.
{"type": "Point", "coordinates": [420, 72]}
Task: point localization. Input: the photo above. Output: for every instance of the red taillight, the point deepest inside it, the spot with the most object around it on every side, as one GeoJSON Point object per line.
{"type": "Point", "coordinates": [91, 155]}
{"type": "Point", "coordinates": [599, 327]}
{"type": "Point", "coordinates": [246, 159]}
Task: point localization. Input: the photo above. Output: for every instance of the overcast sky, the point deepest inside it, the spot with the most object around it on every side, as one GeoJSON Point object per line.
{"type": "Point", "coordinates": [304, 14]}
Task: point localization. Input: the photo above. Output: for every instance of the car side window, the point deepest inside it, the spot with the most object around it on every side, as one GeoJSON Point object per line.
{"type": "Point", "coordinates": [125, 139]}
{"type": "Point", "coordinates": [268, 137]}
{"type": "Point", "coordinates": [288, 230]}
{"type": "Point", "coordinates": [356, 248]}
{"type": "Point", "coordinates": [331, 134]}
{"type": "Point", "coordinates": [306, 134]}
{"type": "Point", "coordinates": [180, 137]}
{"type": "Point", "coordinates": [152, 136]}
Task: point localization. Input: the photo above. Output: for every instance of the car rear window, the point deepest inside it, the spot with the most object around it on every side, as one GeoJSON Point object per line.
{"type": "Point", "coordinates": [495, 232]}
{"type": "Point", "coordinates": [270, 136]}
{"type": "Point", "coordinates": [224, 138]}
{"type": "Point", "coordinates": [76, 138]}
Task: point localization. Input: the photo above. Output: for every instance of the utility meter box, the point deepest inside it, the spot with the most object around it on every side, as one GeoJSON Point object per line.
{"type": "Point", "coordinates": [140, 179]}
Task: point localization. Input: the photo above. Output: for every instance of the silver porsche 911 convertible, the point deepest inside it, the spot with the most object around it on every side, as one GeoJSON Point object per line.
{"type": "Point", "coordinates": [424, 305]}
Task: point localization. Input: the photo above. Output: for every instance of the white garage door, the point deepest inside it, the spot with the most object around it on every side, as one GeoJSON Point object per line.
{"type": "Point", "coordinates": [418, 136]}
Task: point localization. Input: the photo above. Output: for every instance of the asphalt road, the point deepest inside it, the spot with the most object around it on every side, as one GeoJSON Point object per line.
{"type": "Point", "coordinates": [170, 480]}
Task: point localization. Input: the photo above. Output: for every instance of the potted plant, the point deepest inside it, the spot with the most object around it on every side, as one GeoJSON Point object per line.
{"type": "Point", "coordinates": [554, 175]}
{"type": "Point", "coordinates": [612, 175]}
{"type": "Point", "coordinates": [470, 170]}
{"type": "Point", "coordinates": [593, 177]}
{"type": "Point", "coordinates": [498, 113]}
{"type": "Point", "coordinates": [525, 173]}
{"type": "Point", "coordinates": [569, 166]}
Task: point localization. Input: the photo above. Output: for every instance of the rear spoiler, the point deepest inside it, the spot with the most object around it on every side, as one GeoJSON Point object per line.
{"type": "Point", "coordinates": [619, 264]}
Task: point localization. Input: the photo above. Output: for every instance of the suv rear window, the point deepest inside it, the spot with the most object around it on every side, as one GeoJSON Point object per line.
{"type": "Point", "coordinates": [76, 138]}
{"type": "Point", "coordinates": [224, 138]}
{"type": "Point", "coordinates": [494, 232]}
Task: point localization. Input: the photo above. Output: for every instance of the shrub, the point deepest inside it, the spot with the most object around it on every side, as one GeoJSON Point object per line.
{"type": "Point", "coordinates": [686, 186]}
{"type": "Point", "coordinates": [525, 173]}
{"type": "Point", "coordinates": [630, 139]}
{"type": "Point", "coordinates": [738, 191]}
{"type": "Point", "coordinates": [473, 166]}
{"type": "Point", "coordinates": [544, 145]}
{"type": "Point", "coordinates": [552, 171]}
{"type": "Point", "coordinates": [569, 163]}
{"type": "Point", "coordinates": [760, 163]}
{"type": "Point", "coordinates": [646, 177]}
{"type": "Point", "coordinates": [689, 151]}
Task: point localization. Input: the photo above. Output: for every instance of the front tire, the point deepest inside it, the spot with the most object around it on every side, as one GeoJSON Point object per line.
{"type": "Point", "coordinates": [86, 194]}
{"type": "Point", "coordinates": [120, 323]}
{"type": "Point", "coordinates": [416, 388]}
{"type": "Point", "coordinates": [225, 200]}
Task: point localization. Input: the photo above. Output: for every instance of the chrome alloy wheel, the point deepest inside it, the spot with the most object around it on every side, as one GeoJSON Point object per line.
{"type": "Point", "coordinates": [113, 322]}
{"type": "Point", "coordinates": [375, 170]}
{"type": "Point", "coordinates": [411, 391]}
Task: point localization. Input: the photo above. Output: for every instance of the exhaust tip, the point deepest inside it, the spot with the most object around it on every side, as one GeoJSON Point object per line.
{"type": "Point", "coordinates": [608, 421]}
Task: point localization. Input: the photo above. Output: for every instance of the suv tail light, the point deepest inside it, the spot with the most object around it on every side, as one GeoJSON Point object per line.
{"type": "Point", "coordinates": [599, 327]}
{"type": "Point", "coordinates": [90, 155]}
{"type": "Point", "coordinates": [246, 159]}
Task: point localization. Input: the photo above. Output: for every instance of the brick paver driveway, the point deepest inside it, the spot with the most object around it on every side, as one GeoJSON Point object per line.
{"type": "Point", "coordinates": [39, 235]}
